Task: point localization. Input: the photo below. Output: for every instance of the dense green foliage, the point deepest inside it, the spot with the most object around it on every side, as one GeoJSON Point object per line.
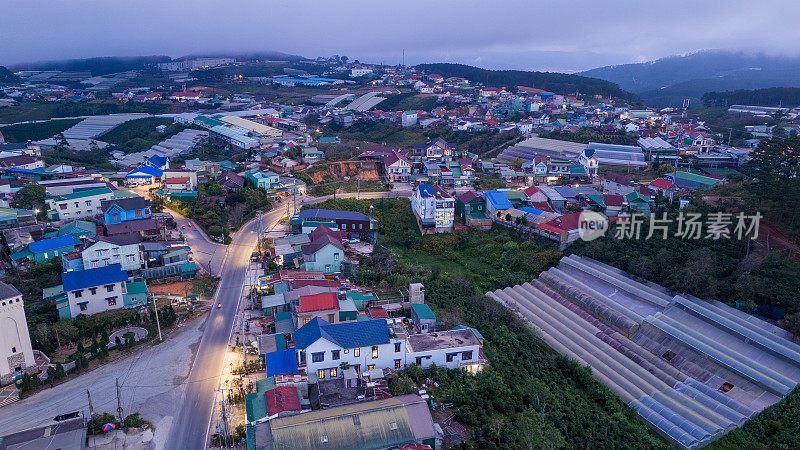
{"type": "Point", "coordinates": [586, 135]}
{"type": "Point", "coordinates": [408, 101]}
{"type": "Point", "coordinates": [560, 83]}
{"type": "Point", "coordinates": [43, 111]}
{"type": "Point", "coordinates": [774, 96]}
{"type": "Point", "coordinates": [526, 398]}
{"type": "Point", "coordinates": [139, 135]}
{"type": "Point", "coordinates": [7, 76]}
{"type": "Point", "coordinates": [24, 132]}
{"type": "Point", "coordinates": [97, 66]}
{"type": "Point", "coordinates": [776, 427]}
{"type": "Point", "coordinates": [30, 197]}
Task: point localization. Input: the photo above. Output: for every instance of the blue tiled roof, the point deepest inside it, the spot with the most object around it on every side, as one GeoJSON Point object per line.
{"type": "Point", "coordinates": [345, 335]}
{"type": "Point", "coordinates": [498, 200]}
{"type": "Point", "coordinates": [157, 160]}
{"type": "Point", "coordinates": [531, 210]}
{"type": "Point", "coordinates": [331, 214]}
{"type": "Point", "coordinates": [281, 362]}
{"type": "Point", "coordinates": [82, 279]}
{"type": "Point", "coordinates": [145, 172]}
{"type": "Point", "coordinates": [51, 244]}
{"type": "Point", "coordinates": [425, 190]}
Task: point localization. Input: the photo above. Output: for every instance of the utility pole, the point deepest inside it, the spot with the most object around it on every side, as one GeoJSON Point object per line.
{"type": "Point", "coordinates": [224, 427]}
{"type": "Point", "coordinates": [358, 194]}
{"type": "Point", "coordinates": [158, 322]}
{"type": "Point", "coordinates": [119, 403]}
{"type": "Point", "coordinates": [91, 409]}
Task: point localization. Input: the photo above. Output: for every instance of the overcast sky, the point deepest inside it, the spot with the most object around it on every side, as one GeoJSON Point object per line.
{"type": "Point", "coordinates": [524, 34]}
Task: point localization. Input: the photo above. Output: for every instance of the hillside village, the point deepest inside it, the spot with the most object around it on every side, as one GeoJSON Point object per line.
{"type": "Point", "coordinates": [119, 230]}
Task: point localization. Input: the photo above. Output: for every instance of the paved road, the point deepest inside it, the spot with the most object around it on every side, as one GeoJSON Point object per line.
{"type": "Point", "coordinates": [192, 428]}
{"type": "Point", "coordinates": [171, 384]}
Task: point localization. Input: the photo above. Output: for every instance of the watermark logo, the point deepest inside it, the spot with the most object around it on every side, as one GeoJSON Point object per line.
{"type": "Point", "coordinates": [718, 225]}
{"type": "Point", "coordinates": [591, 225]}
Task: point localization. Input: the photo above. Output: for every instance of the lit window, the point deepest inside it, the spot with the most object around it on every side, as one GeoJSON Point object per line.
{"type": "Point", "coordinates": [333, 372]}
{"type": "Point", "coordinates": [374, 351]}
{"type": "Point", "coordinates": [396, 363]}
{"type": "Point", "coordinates": [321, 374]}
{"type": "Point", "coordinates": [371, 366]}
{"type": "Point", "coordinates": [112, 301]}
{"type": "Point", "coordinates": [356, 352]}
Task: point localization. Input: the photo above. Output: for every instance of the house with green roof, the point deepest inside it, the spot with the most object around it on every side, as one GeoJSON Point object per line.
{"type": "Point", "coordinates": [423, 317]}
{"type": "Point", "coordinates": [77, 229]}
{"type": "Point", "coordinates": [135, 294]}
{"type": "Point", "coordinates": [638, 203]}
{"type": "Point", "coordinates": [78, 205]}
{"type": "Point", "coordinates": [689, 180]}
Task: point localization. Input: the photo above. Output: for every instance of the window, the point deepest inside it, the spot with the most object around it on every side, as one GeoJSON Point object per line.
{"type": "Point", "coordinates": [419, 361]}
{"type": "Point", "coordinates": [374, 351]}
{"type": "Point", "coordinates": [371, 366]}
{"type": "Point", "coordinates": [83, 306]}
{"type": "Point", "coordinates": [131, 258]}
{"type": "Point", "coordinates": [318, 357]}
{"type": "Point", "coordinates": [77, 204]}
{"type": "Point", "coordinates": [112, 301]}
{"type": "Point", "coordinates": [321, 374]}
{"type": "Point", "coordinates": [306, 320]}
{"type": "Point", "coordinates": [451, 356]}
{"type": "Point", "coordinates": [88, 203]}
{"type": "Point", "coordinates": [356, 352]}
{"type": "Point", "coordinates": [109, 288]}
{"type": "Point", "coordinates": [346, 351]}
{"type": "Point", "coordinates": [335, 354]}
{"type": "Point", "coordinates": [93, 291]}
{"type": "Point", "coordinates": [726, 387]}
{"type": "Point", "coordinates": [396, 347]}
{"type": "Point", "coordinates": [333, 372]}
{"type": "Point", "coordinates": [138, 213]}
{"type": "Point", "coordinates": [63, 206]}
{"type": "Point", "coordinates": [356, 420]}
{"type": "Point", "coordinates": [396, 363]}
{"type": "Point", "coordinates": [13, 349]}
{"type": "Point", "coordinates": [466, 356]}
{"type": "Point", "coordinates": [392, 425]}
{"type": "Point", "coordinates": [335, 256]}
{"type": "Point", "coordinates": [78, 294]}
{"type": "Point", "coordinates": [115, 217]}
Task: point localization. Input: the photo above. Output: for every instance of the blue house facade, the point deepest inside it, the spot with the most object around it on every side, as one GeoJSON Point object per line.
{"type": "Point", "coordinates": [125, 209]}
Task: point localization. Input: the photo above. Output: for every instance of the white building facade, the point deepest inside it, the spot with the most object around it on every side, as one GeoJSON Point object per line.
{"type": "Point", "coordinates": [16, 353]}
{"type": "Point", "coordinates": [103, 253]}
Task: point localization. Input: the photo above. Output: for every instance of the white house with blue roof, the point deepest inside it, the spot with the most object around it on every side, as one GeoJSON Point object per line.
{"type": "Point", "coordinates": [322, 347]}
{"type": "Point", "coordinates": [93, 291]}
{"type": "Point", "coordinates": [496, 202]}
{"type": "Point", "coordinates": [375, 344]}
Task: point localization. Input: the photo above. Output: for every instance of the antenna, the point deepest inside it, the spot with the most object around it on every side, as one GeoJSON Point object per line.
{"type": "Point", "coordinates": [404, 58]}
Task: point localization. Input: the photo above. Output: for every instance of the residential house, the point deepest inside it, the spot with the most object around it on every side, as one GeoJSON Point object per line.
{"type": "Point", "coordinates": [93, 291]}
{"type": "Point", "coordinates": [398, 167]}
{"type": "Point", "coordinates": [423, 318]}
{"type": "Point", "coordinates": [108, 250]}
{"type": "Point", "coordinates": [324, 254]}
{"type": "Point", "coordinates": [324, 305]}
{"type": "Point", "coordinates": [78, 205]}
{"type": "Point", "coordinates": [125, 209]}
{"type": "Point", "coordinates": [409, 118]}
{"type": "Point", "coordinates": [496, 203]}
{"type": "Point", "coordinates": [563, 229]}
{"type": "Point", "coordinates": [45, 249]}
{"type": "Point", "coordinates": [355, 224]}
{"type": "Point", "coordinates": [688, 180]}
{"type": "Point", "coordinates": [263, 180]}
{"type": "Point", "coordinates": [322, 347]}
{"type": "Point", "coordinates": [472, 208]}
{"type": "Point", "coordinates": [230, 181]}
{"type": "Point", "coordinates": [182, 179]}
{"type": "Point", "coordinates": [613, 183]}
{"type": "Point", "coordinates": [638, 203]}
{"type": "Point", "coordinates": [433, 207]}
{"type": "Point", "coordinates": [452, 349]}
{"type": "Point", "coordinates": [665, 187]}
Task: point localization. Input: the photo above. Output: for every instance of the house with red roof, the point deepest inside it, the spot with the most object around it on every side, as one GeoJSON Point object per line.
{"type": "Point", "coordinates": [665, 187]}
{"type": "Point", "coordinates": [563, 229]}
{"type": "Point", "coordinates": [397, 166]}
{"type": "Point", "coordinates": [324, 305]}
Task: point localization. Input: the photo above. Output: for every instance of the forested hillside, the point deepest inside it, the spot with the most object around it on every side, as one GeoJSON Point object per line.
{"type": "Point", "coordinates": [560, 83]}
{"type": "Point", "coordinates": [777, 96]}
